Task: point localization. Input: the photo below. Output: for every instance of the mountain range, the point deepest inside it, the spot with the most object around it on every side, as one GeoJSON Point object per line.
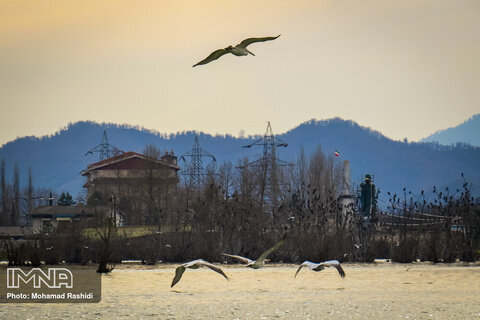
{"type": "Point", "coordinates": [467, 132]}
{"type": "Point", "coordinates": [57, 160]}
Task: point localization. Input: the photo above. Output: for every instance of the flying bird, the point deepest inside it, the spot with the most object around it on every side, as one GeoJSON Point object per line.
{"type": "Point", "coordinates": [195, 264]}
{"type": "Point", "coordinates": [320, 266]}
{"type": "Point", "coordinates": [260, 262]}
{"type": "Point", "coordinates": [238, 50]}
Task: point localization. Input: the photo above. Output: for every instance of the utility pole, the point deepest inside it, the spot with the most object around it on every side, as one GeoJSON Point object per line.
{"type": "Point", "coordinates": [268, 165]}
{"type": "Point", "coordinates": [195, 171]}
{"type": "Point", "coordinates": [113, 213]}
{"type": "Point", "coordinates": [105, 149]}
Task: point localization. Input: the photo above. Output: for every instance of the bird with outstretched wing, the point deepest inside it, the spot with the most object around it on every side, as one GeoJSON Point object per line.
{"type": "Point", "coordinates": [195, 264]}
{"type": "Point", "coordinates": [238, 50]}
{"type": "Point", "coordinates": [260, 262]}
{"type": "Point", "coordinates": [320, 266]}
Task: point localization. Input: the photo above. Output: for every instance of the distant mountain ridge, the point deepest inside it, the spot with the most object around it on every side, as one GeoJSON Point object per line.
{"type": "Point", "coordinates": [58, 159]}
{"type": "Point", "coordinates": [467, 132]}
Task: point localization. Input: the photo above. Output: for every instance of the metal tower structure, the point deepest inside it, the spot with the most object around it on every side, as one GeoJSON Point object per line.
{"type": "Point", "coordinates": [346, 199]}
{"type": "Point", "coordinates": [105, 149]}
{"type": "Point", "coordinates": [195, 170]}
{"type": "Point", "coordinates": [268, 165]}
{"type": "Point", "coordinates": [368, 199]}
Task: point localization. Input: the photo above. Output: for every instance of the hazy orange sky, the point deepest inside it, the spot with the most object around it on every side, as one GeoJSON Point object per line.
{"type": "Point", "coordinates": [406, 68]}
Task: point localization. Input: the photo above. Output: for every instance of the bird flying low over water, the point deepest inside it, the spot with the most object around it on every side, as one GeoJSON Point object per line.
{"type": "Point", "coordinates": [320, 266]}
{"type": "Point", "coordinates": [238, 50]}
{"type": "Point", "coordinates": [195, 264]}
{"type": "Point", "coordinates": [260, 262]}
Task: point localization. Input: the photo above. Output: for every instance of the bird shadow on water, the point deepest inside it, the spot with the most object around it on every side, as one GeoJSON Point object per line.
{"type": "Point", "coordinates": [181, 292]}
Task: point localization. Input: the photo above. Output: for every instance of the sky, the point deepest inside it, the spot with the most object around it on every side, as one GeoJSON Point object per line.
{"type": "Point", "coordinates": [405, 68]}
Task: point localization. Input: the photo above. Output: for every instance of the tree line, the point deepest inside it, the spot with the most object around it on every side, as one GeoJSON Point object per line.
{"type": "Point", "coordinates": [16, 202]}
{"type": "Point", "coordinates": [242, 210]}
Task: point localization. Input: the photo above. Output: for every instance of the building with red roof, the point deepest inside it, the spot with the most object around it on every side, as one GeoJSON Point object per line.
{"type": "Point", "coordinates": [133, 182]}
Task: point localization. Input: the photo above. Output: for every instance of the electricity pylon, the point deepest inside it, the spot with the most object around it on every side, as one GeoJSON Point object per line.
{"type": "Point", "coordinates": [195, 171]}
{"type": "Point", "coordinates": [268, 165]}
{"type": "Point", "coordinates": [105, 149]}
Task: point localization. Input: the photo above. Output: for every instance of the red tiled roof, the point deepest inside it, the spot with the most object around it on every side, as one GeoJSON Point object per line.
{"type": "Point", "coordinates": [114, 158]}
{"type": "Point", "coordinates": [126, 156]}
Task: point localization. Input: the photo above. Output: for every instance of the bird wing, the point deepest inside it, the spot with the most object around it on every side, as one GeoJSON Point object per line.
{"type": "Point", "coordinates": [242, 259]}
{"type": "Point", "coordinates": [311, 265]}
{"type": "Point", "coordinates": [213, 56]}
{"type": "Point", "coordinates": [335, 264]}
{"type": "Point", "coordinates": [308, 264]}
{"type": "Point", "coordinates": [340, 270]}
{"type": "Point", "coordinates": [249, 41]}
{"type": "Point", "coordinates": [178, 275]}
{"type": "Point", "coordinates": [212, 267]}
{"type": "Point", "coordinates": [194, 264]}
{"type": "Point", "coordinates": [271, 250]}
{"type": "Point", "coordinates": [299, 268]}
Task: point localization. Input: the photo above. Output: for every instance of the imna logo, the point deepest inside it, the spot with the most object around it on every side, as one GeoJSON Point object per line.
{"type": "Point", "coordinates": [53, 278]}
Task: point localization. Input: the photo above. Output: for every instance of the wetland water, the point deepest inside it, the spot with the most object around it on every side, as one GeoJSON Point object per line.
{"type": "Point", "coordinates": [369, 291]}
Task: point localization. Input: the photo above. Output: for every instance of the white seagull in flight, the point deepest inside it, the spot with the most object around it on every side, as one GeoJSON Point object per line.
{"type": "Point", "coordinates": [320, 266]}
{"type": "Point", "coordinates": [238, 50]}
{"type": "Point", "coordinates": [195, 264]}
{"type": "Point", "coordinates": [260, 262]}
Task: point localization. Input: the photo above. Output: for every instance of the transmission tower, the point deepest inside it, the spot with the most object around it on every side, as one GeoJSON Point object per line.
{"type": "Point", "coordinates": [195, 170]}
{"type": "Point", "coordinates": [268, 165]}
{"type": "Point", "coordinates": [105, 149]}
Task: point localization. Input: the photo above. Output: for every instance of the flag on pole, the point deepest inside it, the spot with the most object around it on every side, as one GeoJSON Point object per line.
{"type": "Point", "coordinates": [337, 153]}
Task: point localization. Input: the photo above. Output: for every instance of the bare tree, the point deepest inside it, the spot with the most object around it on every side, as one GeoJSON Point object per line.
{"type": "Point", "coordinates": [15, 213]}
{"type": "Point", "coordinates": [152, 151]}
{"type": "Point", "coordinates": [29, 191]}
{"type": "Point", "coordinates": [226, 177]}
{"type": "Point", "coordinates": [107, 231]}
{"type": "Point", "coordinates": [5, 196]}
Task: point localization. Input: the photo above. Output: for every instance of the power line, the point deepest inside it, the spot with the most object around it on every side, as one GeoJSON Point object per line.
{"type": "Point", "coordinates": [105, 149]}
{"type": "Point", "coordinates": [195, 171]}
{"type": "Point", "coordinates": [268, 164]}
